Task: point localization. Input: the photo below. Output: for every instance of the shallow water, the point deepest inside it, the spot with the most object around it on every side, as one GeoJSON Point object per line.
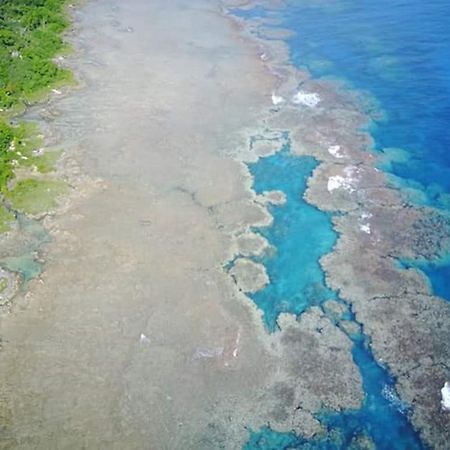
{"type": "Point", "coordinates": [299, 236]}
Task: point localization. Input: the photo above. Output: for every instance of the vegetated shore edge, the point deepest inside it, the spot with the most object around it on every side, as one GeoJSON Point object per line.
{"type": "Point", "coordinates": [292, 116]}
{"type": "Point", "coordinates": [33, 183]}
{"type": "Point", "coordinates": [363, 264]}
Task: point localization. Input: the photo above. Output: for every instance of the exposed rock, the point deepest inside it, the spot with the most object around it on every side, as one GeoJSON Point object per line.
{"type": "Point", "coordinates": [249, 276]}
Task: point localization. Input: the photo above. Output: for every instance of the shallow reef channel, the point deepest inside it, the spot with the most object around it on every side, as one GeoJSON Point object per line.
{"type": "Point", "coordinates": [299, 236]}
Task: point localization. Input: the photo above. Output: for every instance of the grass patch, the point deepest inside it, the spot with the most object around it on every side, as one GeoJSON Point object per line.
{"type": "Point", "coordinates": [30, 37]}
{"type": "Point", "coordinates": [22, 146]}
{"type": "Point", "coordinates": [34, 196]}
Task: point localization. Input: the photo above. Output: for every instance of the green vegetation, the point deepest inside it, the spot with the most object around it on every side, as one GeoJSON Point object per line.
{"type": "Point", "coordinates": [33, 195]}
{"type": "Point", "coordinates": [30, 36]}
{"type": "Point", "coordinates": [21, 146]}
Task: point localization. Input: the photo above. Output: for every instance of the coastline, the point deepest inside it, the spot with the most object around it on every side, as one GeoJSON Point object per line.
{"type": "Point", "coordinates": [123, 324]}
{"type": "Point", "coordinates": [97, 348]}
{"type": "Point", "coordinates": [35, 185]}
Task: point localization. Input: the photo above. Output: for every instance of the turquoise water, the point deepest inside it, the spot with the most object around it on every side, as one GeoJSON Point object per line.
{"type": "Point", "coordinates": [300, 235]}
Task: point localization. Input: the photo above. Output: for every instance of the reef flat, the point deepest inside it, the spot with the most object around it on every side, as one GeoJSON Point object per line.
{"type": "Point", "coordinates": [190, 145]}
{"type": "Point", "coordinates": [134, 333]}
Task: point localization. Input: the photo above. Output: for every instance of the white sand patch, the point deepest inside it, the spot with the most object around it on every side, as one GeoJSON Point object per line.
{"type": "Point", "coordinates": [445, 392]}
{"type": "Point", "coordinates": [277, 99]}
{"type": "Point", "coordinates": [307, 99]}
{"type": "Point", "coordinates": [335, 150]}
{"type": "Point", "coordinates": [347, 182]}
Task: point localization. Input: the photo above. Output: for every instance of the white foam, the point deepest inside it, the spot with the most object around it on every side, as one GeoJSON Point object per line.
{"type": "Point", "coordinates": [347, 183]}
{"type": "Point", "coordinates": [364, 224]}
{"type": "Point", "coordinates": [365, 227]}
{"type": "Point", "coordinates": [335, 182]}
{"type": "Point", "coordinates": [335, 150]}
{"type": "Point", "coordinates": [277, 99]}
{"type": "Point", "coordinates": [304, 98]}
{"type": "Point", "coordinates": [445, 392]}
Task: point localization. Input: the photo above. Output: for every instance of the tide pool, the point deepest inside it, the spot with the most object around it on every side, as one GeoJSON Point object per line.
{"type": "Point", "coordinates": [300, 235]}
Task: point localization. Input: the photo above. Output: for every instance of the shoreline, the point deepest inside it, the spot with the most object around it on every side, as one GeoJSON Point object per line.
{"type": "Point", "coordinates": [173, 353]}
{"type": "Point", "coordinates": [38, 187]}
